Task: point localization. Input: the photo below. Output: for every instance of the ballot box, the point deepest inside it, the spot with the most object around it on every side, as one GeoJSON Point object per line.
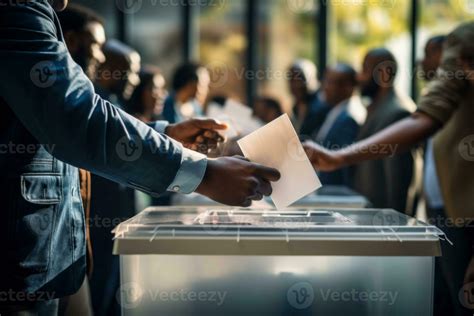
{"type": "Point", "coordinates": [327, 196]}
{"type": "Point", "coordinates": [265, 262]}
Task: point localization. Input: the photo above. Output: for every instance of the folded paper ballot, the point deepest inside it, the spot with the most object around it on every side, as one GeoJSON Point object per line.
{"type": "Point", "coordinates": [277, 145]}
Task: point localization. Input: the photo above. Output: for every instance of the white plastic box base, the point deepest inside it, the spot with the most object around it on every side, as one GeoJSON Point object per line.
{"type": "Point", "coordinates": [275, 285]}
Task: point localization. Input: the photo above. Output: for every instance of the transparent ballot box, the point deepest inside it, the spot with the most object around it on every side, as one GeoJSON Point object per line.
{"type": "Point", "coordinates": [200, 261]}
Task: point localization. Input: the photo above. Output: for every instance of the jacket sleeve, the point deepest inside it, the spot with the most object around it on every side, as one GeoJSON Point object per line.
{"type": "Point", "coordinates": [57, 104]}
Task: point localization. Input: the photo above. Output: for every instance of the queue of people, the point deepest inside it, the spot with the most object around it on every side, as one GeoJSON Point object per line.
{"type": "Point", "coordinates": [103, 104]}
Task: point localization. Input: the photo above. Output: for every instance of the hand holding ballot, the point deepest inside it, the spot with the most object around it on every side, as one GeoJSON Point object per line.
{"type": "Point", "coordinates": [236, 181]}
{"type": "Point", "coordinates": [277, 145]}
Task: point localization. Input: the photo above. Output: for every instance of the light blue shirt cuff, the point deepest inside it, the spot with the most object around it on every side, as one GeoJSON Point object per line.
{"type": "Point", "coordinates": [190, 174]}
{"type": "Point", "coordinates": [159, 126]}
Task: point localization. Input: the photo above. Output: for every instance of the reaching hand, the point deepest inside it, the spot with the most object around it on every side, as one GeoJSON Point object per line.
{"type": "Point", "coordinates": [321, 158]}
{"type": "Point", "coordinates": [236, 181]}
{"type": "Point", "coordinates": [197, 134]}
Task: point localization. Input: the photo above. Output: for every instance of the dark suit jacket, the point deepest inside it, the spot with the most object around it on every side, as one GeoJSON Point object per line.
{"type": "Point", "coordinates": [387, 183]}
{"type": "Point", "coordinates": [343, 132]}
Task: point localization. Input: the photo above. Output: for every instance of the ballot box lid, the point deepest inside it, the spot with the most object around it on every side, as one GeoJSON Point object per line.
{"type": "Point", "coordinates": [267, 232]}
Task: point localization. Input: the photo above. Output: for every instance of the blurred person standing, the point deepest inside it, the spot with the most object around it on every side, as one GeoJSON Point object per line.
{"type": "Point", "coordinates": [190, 89]}
{"type": "Point", "coordinates": [309, 109]}
{"type": "Point", "coordinates": [450, 267]}
{"type": "Point", "coordinates": [391, 182]}
{"type": "Point", "coordinates": [345, 117]}
{"type": "Point", "coordinates": [147, 101]}
{"type": "Point", "coordinates": [445, 111]}
{"type": "Point", "coordinates": [111, 202]}
{"type": "Point", "coordinates": [84, 34]}
{"type": "Point", "coordinates": [118, 76]}
{"type": "Point", "coordinates": [267, 109]}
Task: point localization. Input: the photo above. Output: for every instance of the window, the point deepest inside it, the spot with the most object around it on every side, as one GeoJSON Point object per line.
{"type": "Point", "coordinates": [286, 31]}
{"type": "Point", "coordinates": [155, 31]}
{"type": "Point", "coordinates": [222, 46]}
{"type": "Point", "coordinates": [356, 27]}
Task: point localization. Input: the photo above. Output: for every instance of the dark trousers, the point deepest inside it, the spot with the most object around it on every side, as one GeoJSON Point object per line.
{"type": "Point", "coordinates": [451, 267]}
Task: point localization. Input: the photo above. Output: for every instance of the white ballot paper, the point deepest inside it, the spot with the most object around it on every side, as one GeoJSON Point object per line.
{"type": "Point", "coordinates": [277, 145]}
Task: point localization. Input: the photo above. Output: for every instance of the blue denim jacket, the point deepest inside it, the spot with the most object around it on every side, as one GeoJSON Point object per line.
{"type": "Point", "coordinates": [52, 122]}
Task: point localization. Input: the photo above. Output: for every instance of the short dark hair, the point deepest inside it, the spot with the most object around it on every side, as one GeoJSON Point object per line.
{"type": "Point", "coordinates": [76, 17]}
{"type": "Point", "coordinates": [271, 103]}
{"type": "Point", "coordinates": [185, 74]}
{"type": "Point", "coordinates": [349, 72]}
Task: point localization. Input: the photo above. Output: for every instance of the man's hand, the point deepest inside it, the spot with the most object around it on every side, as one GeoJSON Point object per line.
{"type": "Point", "coordinates": [236, 181]}
{"type": "Point", "coordinates": [197, 134]}
{"type": "Point", "coordinates": [323, 159]}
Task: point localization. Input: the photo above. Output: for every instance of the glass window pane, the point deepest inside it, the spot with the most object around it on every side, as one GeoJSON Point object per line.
{"type": "Point", "coordinates": [358, 26]}
{"type": "Point", "coordinates": [223, 44]}
{"type": "Point", "coordinates": [287, 31]}
{"type": "Point", "coordinates": [155, 31]}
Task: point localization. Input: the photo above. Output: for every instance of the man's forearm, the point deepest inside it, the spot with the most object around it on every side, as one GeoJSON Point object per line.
{"type": "Point", "coordinates": [396, 138]}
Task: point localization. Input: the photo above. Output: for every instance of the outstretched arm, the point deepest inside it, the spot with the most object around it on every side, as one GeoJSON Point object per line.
{"type": "Point", "coordinates": [396, 138]}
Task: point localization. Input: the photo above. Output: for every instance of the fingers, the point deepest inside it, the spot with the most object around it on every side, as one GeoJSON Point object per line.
{"type": "Point", "coordinates": [267, 173]}
{"type": "Point", "coordinates": [210, 124]}
{"type": "Point", "coordinates": [265, 188]}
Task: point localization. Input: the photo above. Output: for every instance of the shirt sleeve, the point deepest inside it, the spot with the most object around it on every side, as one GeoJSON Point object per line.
{"type": "Point", "coordinates": [55, 102]}
{"type": "Point", "coordinates": [159, 126]}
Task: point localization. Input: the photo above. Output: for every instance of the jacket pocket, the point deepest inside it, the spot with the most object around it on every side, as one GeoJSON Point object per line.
{"type": "Point", "coordinates": [43, 189]}
{"type": "Point", "coordinates": [41, 195]}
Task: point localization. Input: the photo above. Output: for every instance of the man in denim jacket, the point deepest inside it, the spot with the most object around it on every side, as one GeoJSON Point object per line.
{"type": "Point", "coordinates": [51, 123]}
